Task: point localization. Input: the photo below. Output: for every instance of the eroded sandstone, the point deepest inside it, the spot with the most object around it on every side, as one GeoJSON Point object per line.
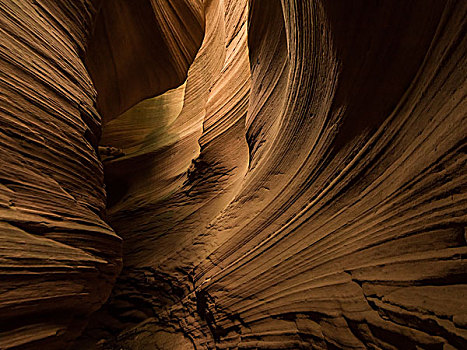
{"type": "Point", "coordinates": [281, 174]}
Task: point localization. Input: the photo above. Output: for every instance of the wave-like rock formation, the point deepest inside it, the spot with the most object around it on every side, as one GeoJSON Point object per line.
{"type": "Point", "coordinates": [233, 174]}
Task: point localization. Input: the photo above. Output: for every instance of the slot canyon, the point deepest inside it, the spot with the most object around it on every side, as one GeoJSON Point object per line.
{"type": "Point", "coordinates": [233, 174]}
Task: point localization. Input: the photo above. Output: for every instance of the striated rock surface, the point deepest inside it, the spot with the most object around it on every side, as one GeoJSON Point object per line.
{"type": "Point", "coordinates": [59, 258]}
{"type": "Point", "coordinates": [281, 174]}
{"type": "Point", "coordinates": [139, 49]}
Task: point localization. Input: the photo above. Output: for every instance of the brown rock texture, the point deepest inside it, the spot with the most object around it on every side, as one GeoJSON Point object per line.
{"type": "Point", "coordinates": [233, 174]}
{"type": "Point", "coordinates": [59, 258]}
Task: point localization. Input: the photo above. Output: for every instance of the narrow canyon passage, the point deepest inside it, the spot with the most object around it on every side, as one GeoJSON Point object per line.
{"type": "Point", "coordinates": [233, 174]}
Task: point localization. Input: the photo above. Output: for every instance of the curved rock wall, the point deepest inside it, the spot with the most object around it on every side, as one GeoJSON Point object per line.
{"type": "Point", "coordinates": [284, 174]}
{"type": "Point", "coordinates": [59, 259]}
{"type": "Point", "coordinates": [354, 231]}
{"type": "Point", "coordinates": [139, 49]}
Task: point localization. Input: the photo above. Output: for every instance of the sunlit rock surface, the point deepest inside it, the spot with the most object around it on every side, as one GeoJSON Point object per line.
{"type": "Point", "coordinates": [266, 174]}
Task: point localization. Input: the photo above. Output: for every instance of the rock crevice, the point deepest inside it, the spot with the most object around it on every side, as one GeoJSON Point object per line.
{"type": "Point", "coordinates": [233, 174]}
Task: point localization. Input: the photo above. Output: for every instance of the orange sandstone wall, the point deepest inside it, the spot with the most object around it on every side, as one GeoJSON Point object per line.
{"type": "Point", "coordinates": [281, 174]}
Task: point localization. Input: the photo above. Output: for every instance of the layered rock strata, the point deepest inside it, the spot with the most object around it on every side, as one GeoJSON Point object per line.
{"type": "Point", "coordinates": [59, 257]}
{"type": "Point", "coordinates": [282, 174]}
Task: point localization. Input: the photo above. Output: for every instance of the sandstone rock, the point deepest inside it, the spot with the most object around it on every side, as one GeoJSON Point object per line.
{"type": "Point", "coordinates": [281, 174]}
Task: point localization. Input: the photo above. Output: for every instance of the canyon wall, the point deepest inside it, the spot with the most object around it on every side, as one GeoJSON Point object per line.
{"type": "Point", "coordinates": [59, 258]}
{"type": "Point", "coordinates": [233, 174]}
